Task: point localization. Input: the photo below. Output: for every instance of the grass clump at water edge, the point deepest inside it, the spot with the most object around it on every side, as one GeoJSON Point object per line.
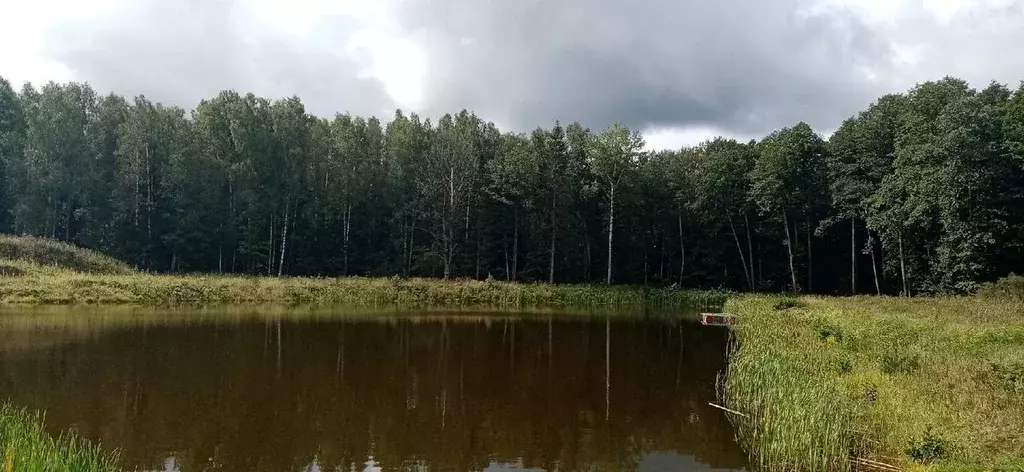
{"type": "Point", "coordinates": [26, 447]}
{"type": "Point", "coordinates": [844, 383]}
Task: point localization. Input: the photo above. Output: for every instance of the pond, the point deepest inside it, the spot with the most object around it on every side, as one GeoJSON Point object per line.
{"type": "Point", "coordinates": [306, 390]}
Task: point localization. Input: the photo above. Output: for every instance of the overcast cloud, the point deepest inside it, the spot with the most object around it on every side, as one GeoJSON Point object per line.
{"type": "Point", "coordinates": [681, 70]}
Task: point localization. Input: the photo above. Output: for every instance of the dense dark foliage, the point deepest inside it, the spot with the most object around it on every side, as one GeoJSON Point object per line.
{"type": "Point", "coordinates": [921, 192]}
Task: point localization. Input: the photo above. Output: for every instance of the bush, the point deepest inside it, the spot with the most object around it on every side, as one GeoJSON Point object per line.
{"type": "Point", "coordinates": [1010, 287]}
{"type": "Point", "coordinates": [787, 303]}
{"type": "Point", "coordinates": [929, 448]}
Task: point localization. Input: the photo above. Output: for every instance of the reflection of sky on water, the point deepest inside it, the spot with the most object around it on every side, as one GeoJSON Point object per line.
{"type": "Point", "coordinates": [651, 462]}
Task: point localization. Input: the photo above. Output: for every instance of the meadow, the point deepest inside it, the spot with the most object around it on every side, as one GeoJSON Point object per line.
{"type": "Point", "coordinates": [876, 383]}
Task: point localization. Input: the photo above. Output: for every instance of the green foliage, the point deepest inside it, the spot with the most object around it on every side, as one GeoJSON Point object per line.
{"type": "Point", "coordinates": [928, 448]}
{"type": "Point", "coordinates": [931, 181]}
{"type": "Point", "coordinates": [1009, 287]}
{"type": "Point", "coordinates": [26, 447]}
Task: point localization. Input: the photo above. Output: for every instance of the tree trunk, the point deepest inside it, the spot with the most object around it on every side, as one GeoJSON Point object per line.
{"type": "Point", "coordinates": [346, 225]}
{"type": "Point", "coordinates": [903, 265]}
{"type": "Point", "coordinates": [412, 245]}
{"type": "Point", "coordinates": [67, 223]}
{"type": "Point", "coordinates": [515, 243]}
{"type": "Point", "coordinates": [750, 250]}
{"type": "Point", "coordinates": [810, 259]}
{"type": "Point", "coordinates": [743, 259]}
{"type": "Point", "coordinates": [149, 199]}
{"type": "Point", "coordinates": [447, 228]}
{"type": "Point", "coordinates": [137, 191]}
{"type": "Point", "coordinates": [646, 266]}
{"type": "Point", "coordinates": [874, 264]}
{"type": "Point", "coordinates": [661, 257]}
{"type": "Point", "coordinates": [508, 266]}
{"type": "Point", "coordinates": [220, 258]}
{"type": "Point", "coordinates": [551, 250]}
{"type": "Point", "coordinates": [284, 240]}
{"type": "Point", "coordinates": [270, 247]}
{"type": "Point", "coordinates": [611, 231]}
{"type": "Point", "coordinates": [682, 250]}
{"type": "Point", "coordinates": [586, 251]}
{"type": "Point", "coordinates": [478, 248]}
{"type": "Point", "coordinates": [789, 249]}
{"type": "Point", "coordinates": [853, 256]}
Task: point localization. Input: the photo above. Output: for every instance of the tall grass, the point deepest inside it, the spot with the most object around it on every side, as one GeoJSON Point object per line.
{"type": "Point", "coordinates": [824, 382]}
{"type": "Point", "coordinates": [44, 271]}
{"type": "Point", "coordinates": [48, 252]}
{"type": "Point", "coordinates": [792, 416]}
{"type": "Point", "coordinates": [26, 447]}
{"type": "Point", "coordinates": [48, 285]}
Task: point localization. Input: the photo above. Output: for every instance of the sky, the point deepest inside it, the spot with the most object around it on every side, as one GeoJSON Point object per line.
{"type": "Point", "coordinates": [680, 70]}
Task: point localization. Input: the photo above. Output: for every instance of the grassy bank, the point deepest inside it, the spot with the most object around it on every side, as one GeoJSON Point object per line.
{"type": "Point", "coordinates": [823, 383]}
{"type": "Point", "coordinates": [43, 271]}
{"type": "Point", "coordinates": [26, 447]}
{"type": "Point", "coordinates": [39, 284]}
{"type": "Point", "coordinates": [50, 253]}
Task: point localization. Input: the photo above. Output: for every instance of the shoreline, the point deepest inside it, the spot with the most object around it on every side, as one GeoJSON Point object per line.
{"type": "Point", "coordinates": [58, 287]}
{"type": "Point", "coordinates": [813, 382]}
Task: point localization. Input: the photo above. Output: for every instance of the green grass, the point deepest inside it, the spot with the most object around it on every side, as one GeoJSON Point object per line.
{"type": "Point", "coordinates": [43, 271]}
{"type": "Point", "coordinates": [930, 383]}
{"type": "Point", "coordinates": [50, 253]}
{"type": "Point", "coordinates": [26, 447]}
{"type": "Point", "coordinates": [39, 284]}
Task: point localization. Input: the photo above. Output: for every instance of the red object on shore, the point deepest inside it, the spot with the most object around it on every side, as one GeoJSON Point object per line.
{"type": "Point", "coordinates": [717, 319]}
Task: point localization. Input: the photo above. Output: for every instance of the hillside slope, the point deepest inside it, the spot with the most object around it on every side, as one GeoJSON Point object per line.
{"type": "Point", "coordinates": [17, 250]}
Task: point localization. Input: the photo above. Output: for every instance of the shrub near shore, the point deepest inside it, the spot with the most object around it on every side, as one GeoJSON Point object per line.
{"type": "Point", "coordinates": [825, 383]}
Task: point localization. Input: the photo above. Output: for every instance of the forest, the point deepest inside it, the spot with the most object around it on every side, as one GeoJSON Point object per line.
{"type": "Point", "coordinates": [922, 192]}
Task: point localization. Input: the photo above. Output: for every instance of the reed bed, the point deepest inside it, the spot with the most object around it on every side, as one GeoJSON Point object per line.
{"type": "Point", "coordinates": [875, 383]}
{"type": "Point", "coordinates": [26, 447]}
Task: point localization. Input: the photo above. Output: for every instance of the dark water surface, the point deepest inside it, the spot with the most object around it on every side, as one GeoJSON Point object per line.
{"type": "Point", "coordinates": [180, 391]}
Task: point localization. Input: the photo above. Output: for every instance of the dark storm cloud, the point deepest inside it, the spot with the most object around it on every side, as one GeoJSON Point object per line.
{"type": "Point", "coordinates": [180, 51]}
{"type": "Point", "coordinates": [741, 66]}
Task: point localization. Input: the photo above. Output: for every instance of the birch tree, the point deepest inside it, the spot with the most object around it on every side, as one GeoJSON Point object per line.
{"type": "Point", "coordinates": [614, 156]}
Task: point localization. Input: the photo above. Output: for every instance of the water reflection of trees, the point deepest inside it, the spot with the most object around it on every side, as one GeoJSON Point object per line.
{"type": "Point", "coordinates": [267, 396]}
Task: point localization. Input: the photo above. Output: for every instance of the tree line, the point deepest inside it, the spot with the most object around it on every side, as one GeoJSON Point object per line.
{"type": "Point", "coordinates": [921, 192]}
